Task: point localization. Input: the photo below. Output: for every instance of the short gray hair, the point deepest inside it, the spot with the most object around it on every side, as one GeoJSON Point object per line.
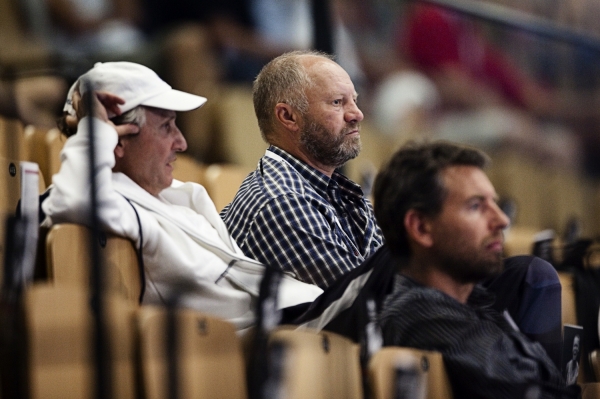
{"type": "Point", "coordinates": [136, 116]}
{"type": "Point", "coordinates": [283, 80]}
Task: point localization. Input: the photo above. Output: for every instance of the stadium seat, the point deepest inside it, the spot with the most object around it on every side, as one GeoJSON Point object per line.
{"type": "Point", "coordinates": [318, 365]}
{"type": "Point", "coordinates": [206, 351]}
{"type": "Point", "coordinates": [187, 168]}
{"type": "Point", "coordinates": [59, 325]}
{"type": "Point", "coordinates": [222, 182]}
{"type": "Point", "coordinates": [68, 260]}
{"type": "Point", "coordinates": [383, 365]}
{"type": "Point", "coordinates": [43, 147]}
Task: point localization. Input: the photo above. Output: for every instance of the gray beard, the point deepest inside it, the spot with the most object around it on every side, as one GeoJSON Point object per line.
{"type": "Point", "coordinates": [328, 149]}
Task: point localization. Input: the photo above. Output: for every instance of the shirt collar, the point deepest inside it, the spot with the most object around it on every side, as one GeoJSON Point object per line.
{"type": "Point", "coordinates": [318, 180]}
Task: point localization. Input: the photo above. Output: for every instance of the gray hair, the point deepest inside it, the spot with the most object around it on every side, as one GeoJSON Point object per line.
{"type": "Point", "coordinates": [283, 80]}
{"type": "Point", "coordinates": [136, 116]}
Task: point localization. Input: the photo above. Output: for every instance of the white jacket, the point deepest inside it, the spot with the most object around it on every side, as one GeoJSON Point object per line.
{"type": "Point", "coordinates": [186, 247]}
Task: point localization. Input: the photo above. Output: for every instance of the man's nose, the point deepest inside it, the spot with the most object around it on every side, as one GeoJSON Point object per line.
{"type": "Point", "coordinates": [353, 113]}
{"type": "Point", "coordinates": [180, 142]}
{"type": "Point", "coordinates": [500, 219]}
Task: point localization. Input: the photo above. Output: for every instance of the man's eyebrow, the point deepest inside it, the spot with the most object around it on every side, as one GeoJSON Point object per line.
{"type": "Point", "coordinates": [477, 197]}
{"type": "Point", "coordinates": [481, 197]}
{"type": "Point", "coordinates": [168, 118]}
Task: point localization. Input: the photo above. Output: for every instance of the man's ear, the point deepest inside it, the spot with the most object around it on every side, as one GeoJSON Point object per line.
{"type": "Point", "coordinates": [418, 228]}
{"type": "Point", "coordinates": [287, 116]}
{"type": "Point", "coordinates": [120, 148]}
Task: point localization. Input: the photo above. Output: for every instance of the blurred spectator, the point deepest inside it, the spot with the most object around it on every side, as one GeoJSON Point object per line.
{"type": "Point", "coordinates": [485, 99]}
{"type": "Point", "coordinates": [81, 32]}
{"type": "Point", "coordinates": [246, 34]}
{"type": "Point", "coordinates": [34, 100]}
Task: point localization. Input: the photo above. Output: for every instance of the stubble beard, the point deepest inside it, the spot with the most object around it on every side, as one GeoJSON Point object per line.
{"type": "Point", "coordinates": [467, 265]}
{"type": "Point", "coordinates": [327, 148]}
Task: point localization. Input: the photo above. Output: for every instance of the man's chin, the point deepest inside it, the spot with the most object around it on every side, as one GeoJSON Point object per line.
{"type": "Point", "coordinates": [482, 271]}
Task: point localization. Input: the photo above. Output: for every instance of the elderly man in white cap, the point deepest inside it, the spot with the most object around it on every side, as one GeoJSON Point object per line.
{"type": "Point", "coordinates": [182, 238]}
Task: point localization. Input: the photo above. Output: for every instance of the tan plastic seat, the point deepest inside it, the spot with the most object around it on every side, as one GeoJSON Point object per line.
{"type": "Point", "coordinates": [590, 390]}
{"type": "Point", "coordinates": [222, 181]}
{"type": "Point", "coordinates": [10, 192]}
{"type": "Point", "coordinates": [11, 152]}
{"type": "Point", "coordinates": [318, 365]}
{"type": "Point", "coordinates": [209, 357]}
{"type": "Point", "coordinates": [569, 313]}
{"type": "Point", "coordinates": [595, 363]}
{"type": "Point", "coordinates": [382, 369]}
{"type": "Point", "coordinates": [60, 349]}
{"type": "Point", "coordinates": [187, 168]}
{"type": "Point", "coordinates": [43, 147]}
{"type": "Point", "coordinates": [68, 261]}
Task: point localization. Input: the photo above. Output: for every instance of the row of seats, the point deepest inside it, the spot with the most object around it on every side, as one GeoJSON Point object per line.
{"type": "Point", "coordinates": [58, 311]}
{"type": "Point", "coordinates": [210, 360]}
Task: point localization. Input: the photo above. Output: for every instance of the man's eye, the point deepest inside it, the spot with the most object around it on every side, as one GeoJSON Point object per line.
{"type": "Point", "coordinates": [337, 102]}
{"type": "Point", "coordinates": [474, 206]}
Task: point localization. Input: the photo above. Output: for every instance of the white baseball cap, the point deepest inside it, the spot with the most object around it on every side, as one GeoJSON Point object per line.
{"type": "Point", "coordinates": [137, 85]}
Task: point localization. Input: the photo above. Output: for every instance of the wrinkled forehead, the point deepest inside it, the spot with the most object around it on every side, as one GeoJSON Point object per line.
{"type": "Point", "coordinates": [327, 76]}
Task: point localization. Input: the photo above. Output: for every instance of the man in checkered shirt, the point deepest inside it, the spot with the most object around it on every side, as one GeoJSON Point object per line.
{"type": "Point", "coordinates": [297, 212]}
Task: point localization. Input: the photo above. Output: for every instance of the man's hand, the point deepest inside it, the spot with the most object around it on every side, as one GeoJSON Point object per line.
{"type": "Point", "coordinates": [109, 103]}
{"type": "Point", "coordinates": [103, 104]}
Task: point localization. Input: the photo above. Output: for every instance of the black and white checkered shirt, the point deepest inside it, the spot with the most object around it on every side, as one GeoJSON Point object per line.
{"type": "Point", "coordinates": [293, 217]}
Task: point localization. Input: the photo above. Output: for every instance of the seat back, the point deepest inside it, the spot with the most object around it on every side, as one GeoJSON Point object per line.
{"type": "Point", "coordinates": [68, 260]}
{"type": "Point", "coordinates": [568, 308]}
{"type": "Point", "coordinates": [318, 365]}
{"type": "Point", "coordinates": [187, 168]}
{"type": "Point", "coordinates": [11, 152]}
{"type": "Point", "coordinates": [519, 240]}
{"type": "Point", "coordinates": [10, 185]}
{"type": "Point", "coordinates": [222, 181]}
{"type": "Point", "coordinates": [43, 147]}
{"type": "Point", "coordinates": [594, 359]}
{"type": "Point", "coordinates": [239, 135]}
{"type": "Point", "coordinates": [382, 370]}
{"type": "Point", "coordinates": [208, 355]}
{"type": "Point", "coordinates": [59, 327]}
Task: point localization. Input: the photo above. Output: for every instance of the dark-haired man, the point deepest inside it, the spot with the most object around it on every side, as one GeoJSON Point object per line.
{"type": "Point", "coordinates": [438, 213]}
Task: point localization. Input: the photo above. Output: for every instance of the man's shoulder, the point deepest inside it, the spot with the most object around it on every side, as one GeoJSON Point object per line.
{"type": "Point", "coordinates": [273, 179]}
{"type": "Point", "coordinates": [410, 298]}
{"type": "Point", "coordinates": [265, 188]}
